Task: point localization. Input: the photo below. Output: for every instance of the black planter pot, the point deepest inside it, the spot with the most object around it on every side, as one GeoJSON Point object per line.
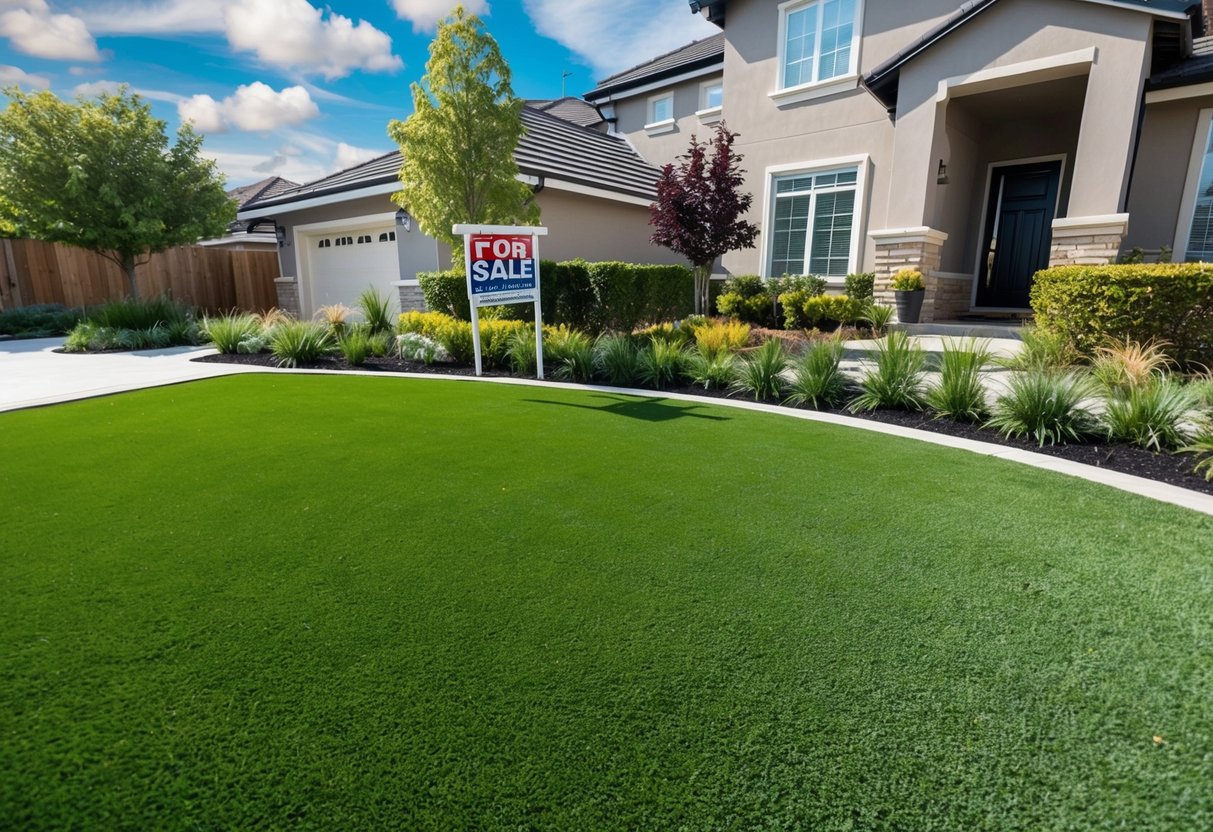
{"type": "Point", "coordinates": [909, 305]}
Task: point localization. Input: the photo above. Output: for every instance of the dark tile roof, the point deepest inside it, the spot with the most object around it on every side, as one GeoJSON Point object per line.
{"type": "Point", "coordinates": [570, 109]}
{"type": "Point", "coordinates": [551, 147]}
{"type": "Point", "coordinates": [265, 189]}
{"type": "Point", "coordinates": [1196, 70]}
{"type": "Point", "coordinates": [701, 54]}
{"type": "Point", "coordinates": [882, 81]}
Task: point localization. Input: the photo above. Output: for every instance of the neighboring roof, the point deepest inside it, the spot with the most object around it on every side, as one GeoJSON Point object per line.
{"type": "Point", "coordinates": [570, 109]}
{"type": "Point", "coordinates": [1196, 70]}
{"type": "Point", "coordinates": [265, 189]}
{"type": "Point", "coordinates": [882, 81]}
{"type": "Point", "coordinates": [702, 54]}
{"type": "Point", "coordinates": [550, 147]}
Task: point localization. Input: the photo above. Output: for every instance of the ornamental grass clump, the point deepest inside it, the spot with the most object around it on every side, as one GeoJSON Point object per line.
{"type": "Point", "coordinates": [617, 359]}
{"type": "Point", "coordinates": [960, 393]}
{"type": "Point", "coordinates": [713, 338]}
{"type": "Point", "coordinates": [711, 370]}
{"type": "Point", "coordinates": [139, 314]}
{"type": "Point", "coordinates": [455, 336]}
{"type": "Point", "coordinates": [1160, 414]}
{"type": "Point", "coordinates": [570, 353]}
{"type": "Point", "coordinates": [300, 342]}
{"type": "Point", "coordinates": [1120, 366]}
{"type": "Point", "coordinates": [661, 365]}
{"type": "Point", "coordinates": [355, 345]}
{"type": "Point", "coordinates": [760, 374]}
{"type": "Point", "coordinates": [878, 316]}
{"type": "Point", "coordinates": [334, 316]}
{"type": "Point", "coordinates": [1202, 446]}
{"type": "Point", "coordinates": [520, 352]}
{"type": "Point", "coordinates": [228, 332]}
{"type": "Point", "coordinates": [376, 309]}
{"type": "Point", "coordinates": [897, 378]}
{"type": "Point", "coordinates": [1048, 406]}
{"type": "Point", "coordinates": [1043, 350]}
{"type": "Point", "coordinates": [817, 377]}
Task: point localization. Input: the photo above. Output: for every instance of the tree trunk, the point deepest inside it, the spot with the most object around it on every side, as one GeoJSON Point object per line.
{"type": "Point", "coordinates": [128, 265]}
{"type": "Point", "coordinates": [703, 279]}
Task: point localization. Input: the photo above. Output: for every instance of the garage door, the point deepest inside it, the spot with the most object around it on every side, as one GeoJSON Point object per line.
{"type": "Point", "coordinates": [343, 263]}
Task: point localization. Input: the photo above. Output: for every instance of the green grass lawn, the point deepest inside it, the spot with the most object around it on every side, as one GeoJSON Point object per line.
{"type": "Point", "coordinates": [358, 603]}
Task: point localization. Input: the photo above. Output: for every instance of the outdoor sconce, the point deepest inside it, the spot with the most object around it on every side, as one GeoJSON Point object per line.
{"type": "Point", "coordinates": [280, 233]}
{"type": "Point", "coordinates": [941, 177]}
{"type": "Point", "coordinates": [403, 220]}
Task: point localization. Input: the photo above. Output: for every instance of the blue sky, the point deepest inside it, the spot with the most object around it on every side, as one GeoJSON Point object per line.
{"type": "Point", "coordinates": [300, 88]}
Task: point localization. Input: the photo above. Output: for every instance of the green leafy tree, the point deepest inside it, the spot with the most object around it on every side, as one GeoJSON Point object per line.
{"type": "Point", "coordinates": [100, 174]}
{"type": "Point", "coordinates": [458, 145]}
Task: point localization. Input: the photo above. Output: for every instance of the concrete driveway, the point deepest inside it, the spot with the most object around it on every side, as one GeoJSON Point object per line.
{"type": "Point", "coordinates": [32, 374]}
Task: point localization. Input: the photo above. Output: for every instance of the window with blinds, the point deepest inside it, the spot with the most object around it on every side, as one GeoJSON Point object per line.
{"type": "Point", "coordinates": [813, 217]}
{"type": "Point", "coordinates": [1200, 238]}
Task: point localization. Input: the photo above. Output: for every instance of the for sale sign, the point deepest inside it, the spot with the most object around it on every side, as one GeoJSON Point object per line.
{"type": "Point", "coordinates": [503, 269]}
{"type": "Point", "coordinates": [502, 266]}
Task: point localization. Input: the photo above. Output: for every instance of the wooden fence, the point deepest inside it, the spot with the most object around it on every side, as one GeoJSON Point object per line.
{"type": "Point", "coordinates": [214, 279]}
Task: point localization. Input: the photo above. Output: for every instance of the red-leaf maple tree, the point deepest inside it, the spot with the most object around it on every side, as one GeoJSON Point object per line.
{"type": "Point", "coordinates": [699, 207]}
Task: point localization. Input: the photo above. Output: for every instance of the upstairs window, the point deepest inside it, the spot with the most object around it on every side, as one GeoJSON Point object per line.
{"type": "Point", "coordinates": [817, 41]}
{"type": "Point", "coordinates": [711, 95]}
{"type": "Point", "coordinates": [661, 108]}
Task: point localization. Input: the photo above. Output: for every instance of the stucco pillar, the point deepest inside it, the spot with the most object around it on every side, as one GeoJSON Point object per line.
{"type": "Point", "coordinates": [411, 299]}
{"type": "Point", "coordinates": [920, 249]}
{"type": "Point", "coordinates": [288, 295]}
{"type": "Point", "coordinates": [1108, 133]}
{"type": "Point", "coordinates": [1087, 241]}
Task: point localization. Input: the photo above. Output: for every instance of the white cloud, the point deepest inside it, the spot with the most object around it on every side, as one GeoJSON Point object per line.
{"type": "Point", "coordinates": [293, 34]}
{"type": "Point", "coordinates": [254, 107]}
{"type": "Point", "coordinates": [243, 168]}
{"type": "Point", "coordinates": [611, 37]}
{"type": "Point", "coordinates": [425, 14]}
{"type": "Point", "coordinates": [35, 30]}
{"type": "Point", "coordinates": [348, 156]}
{"type": "Point", "coordinates": [15, 75]}
{"type": "Point", "coordinates": [92, 89]}
{"type": "Point", "coordinates": [164, 17]}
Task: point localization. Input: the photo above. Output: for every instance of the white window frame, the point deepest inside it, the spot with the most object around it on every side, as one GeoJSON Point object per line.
{"type": "Point", "coordinates": [862, 164]}
{"type": "Point", "coordinates": [653, 126]}
{"type": "Point", "coordinates": [706, 114]}
{"type": "Point", "coordinates": [1187, 208]}
{"type": "Point", "coordinates": [784, 96]}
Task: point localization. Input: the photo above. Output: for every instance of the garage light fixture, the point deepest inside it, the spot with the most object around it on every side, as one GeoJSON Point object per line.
{"type": "Point", "coordinates": [280, 233]}
{"type": "Point", "coordinates": [403, 220]}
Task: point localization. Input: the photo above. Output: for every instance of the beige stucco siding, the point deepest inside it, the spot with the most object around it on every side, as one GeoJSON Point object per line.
{"type": "Point", "coordinates": [1157, 191]}
{"type": "Point", "coordinates": [631, 115]}
{"type": "Point", "coordinates": [597, 229]}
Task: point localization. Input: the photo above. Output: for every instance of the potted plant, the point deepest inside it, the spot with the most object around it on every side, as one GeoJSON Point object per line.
{"type": "Point", "coordinates": [908, 292]}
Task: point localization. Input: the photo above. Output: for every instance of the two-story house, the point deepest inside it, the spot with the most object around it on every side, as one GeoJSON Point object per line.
{"type": "Point", "coordinates": [976, 141]}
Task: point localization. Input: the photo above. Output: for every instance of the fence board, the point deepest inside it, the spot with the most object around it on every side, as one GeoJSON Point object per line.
{"type": "Point", "coordinates": [210, 278]}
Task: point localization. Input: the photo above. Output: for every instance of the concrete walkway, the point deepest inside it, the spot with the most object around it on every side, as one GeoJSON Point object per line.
{"type": "Point", "coordinates": [32, 374]}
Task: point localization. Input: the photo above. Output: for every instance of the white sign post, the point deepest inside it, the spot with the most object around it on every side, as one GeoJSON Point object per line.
{"type": "Point", "coordinates": [502, 266]}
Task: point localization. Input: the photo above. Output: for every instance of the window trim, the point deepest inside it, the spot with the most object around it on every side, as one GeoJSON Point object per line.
{"type": "Point", "coordinates": [1187, 208]}
{"type": "Point", "coordinates": [666, 125]}
{"type": "Point", "coordinates": [862, 164]}
{"type": "Point", "coordinates": [818, 88]}
{"type": "Point", "coordinates": [706, 114]}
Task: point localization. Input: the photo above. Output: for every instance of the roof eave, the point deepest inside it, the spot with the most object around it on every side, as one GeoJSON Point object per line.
{"type": "Point", "coordinates": [601, 93]}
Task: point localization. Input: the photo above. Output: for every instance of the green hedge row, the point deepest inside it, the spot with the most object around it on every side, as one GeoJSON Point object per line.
{"type": "Point", "coordinates": [589, 296]}
{"type": "Point", "coordinates": [1171, 302]}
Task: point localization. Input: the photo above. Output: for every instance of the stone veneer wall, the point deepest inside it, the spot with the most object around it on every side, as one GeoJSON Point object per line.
{"type": "Point", "coordinates": [288, 295]}
{"type": "Point", "coordinates": [920, 249]}
{"type": "Point", "coordinates": [411, 298]}
{"type": "Point", "coordinates": [1087, 241]}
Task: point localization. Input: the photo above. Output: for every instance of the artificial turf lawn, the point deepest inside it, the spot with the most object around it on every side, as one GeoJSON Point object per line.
{"type": "Point", "coordinates": [357, 603]}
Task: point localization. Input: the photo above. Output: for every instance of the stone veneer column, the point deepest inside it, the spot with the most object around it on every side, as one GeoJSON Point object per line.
{"type": "Point", "coordinates": [411, 299]}
{"type": "Point", "coordinates": [1087, 241]}
{"type": "Point", "coordinates": [920, 249]}
{"type": "Point", "coordinates": [288, 295]}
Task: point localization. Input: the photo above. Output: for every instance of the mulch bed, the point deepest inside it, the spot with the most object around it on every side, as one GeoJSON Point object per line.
{"type": "Point", "coordinates": [1175, 469]}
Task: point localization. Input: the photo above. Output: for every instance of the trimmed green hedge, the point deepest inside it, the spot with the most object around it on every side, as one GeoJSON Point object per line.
{"type": "Point", "coordinates": [587, 296]}
{"type": "Point", "coordinates": [1170, 302]}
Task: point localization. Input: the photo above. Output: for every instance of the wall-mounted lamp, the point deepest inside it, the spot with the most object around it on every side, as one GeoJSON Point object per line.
{"type": "Point", "coordinates": [941, 177]}
{"type": "Point", "coordinates": [403, 220]}
{"type": "Point", "coordinates": [280, 233]}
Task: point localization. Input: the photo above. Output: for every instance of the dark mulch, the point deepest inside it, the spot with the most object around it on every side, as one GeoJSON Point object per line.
{"type": "Point", "coordinates": [1175, 469]}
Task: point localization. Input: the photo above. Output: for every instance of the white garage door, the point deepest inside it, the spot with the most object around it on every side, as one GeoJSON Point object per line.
{"type": "Point", "coordinates": [342, 264]}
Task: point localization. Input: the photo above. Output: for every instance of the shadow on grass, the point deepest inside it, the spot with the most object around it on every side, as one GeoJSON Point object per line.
{"type": "Point", "coordinates": [647, 410]}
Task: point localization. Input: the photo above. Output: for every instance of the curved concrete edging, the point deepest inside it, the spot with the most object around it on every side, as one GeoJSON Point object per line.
{"type": "Point", "coordinates": [190, 371]}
